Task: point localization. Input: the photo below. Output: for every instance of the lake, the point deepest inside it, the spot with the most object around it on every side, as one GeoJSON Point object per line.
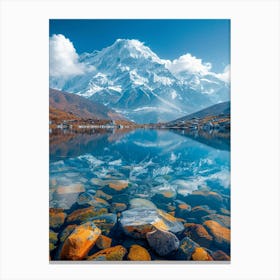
{"type": "Point", "coordinates": [120, 173]}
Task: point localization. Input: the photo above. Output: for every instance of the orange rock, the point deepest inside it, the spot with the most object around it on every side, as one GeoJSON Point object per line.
{"type": "Point", "coordinates": [199, 234]}
{"type": "Point", "coordinates": [220, 234]}
{"type": "Point", "coordinates": [200, 254]}
{"type": "Point", "coordinates": [138, 253]}
{"type": "Point", "coordinates": [118, 185]}
{"type": "Point", "coordinates": [103, 242]}
{"type": "Point", "coordinates": [84, 214]}
{"type": "Point", "coordinates": [110, 254]}
{"type": "Point", "coordinates": [57, 217]}
{"type": "Point", "coordinates": [80, 241]}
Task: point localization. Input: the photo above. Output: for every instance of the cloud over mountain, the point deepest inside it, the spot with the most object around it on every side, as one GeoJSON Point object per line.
{"type": "Point", "coordinates": [64, 60]}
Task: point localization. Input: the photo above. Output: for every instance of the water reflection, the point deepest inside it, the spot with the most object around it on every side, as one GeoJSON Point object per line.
{"type": "Point", "coordinates": [147, 156]}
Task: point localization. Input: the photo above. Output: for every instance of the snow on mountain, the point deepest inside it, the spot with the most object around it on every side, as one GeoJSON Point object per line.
{"type": "Point", "coordinates": [130, 78]}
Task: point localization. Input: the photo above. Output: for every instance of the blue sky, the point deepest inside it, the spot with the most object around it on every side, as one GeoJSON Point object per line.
{"type": "Point", "coordinates": [208, 40]}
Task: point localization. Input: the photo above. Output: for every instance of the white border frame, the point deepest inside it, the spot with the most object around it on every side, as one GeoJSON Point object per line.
{"type": "Point", "coordinates": [255, 137]}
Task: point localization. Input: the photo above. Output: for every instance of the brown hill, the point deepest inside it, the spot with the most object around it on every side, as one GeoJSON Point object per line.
{"type": "Point", "coordinates": [70, 105]}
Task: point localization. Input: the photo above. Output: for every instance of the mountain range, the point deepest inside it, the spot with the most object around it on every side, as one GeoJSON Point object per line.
{"type": "Point", "coordinates": [132, 80]}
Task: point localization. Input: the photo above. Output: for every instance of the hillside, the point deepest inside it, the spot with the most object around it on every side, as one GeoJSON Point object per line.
{"type": "Point", "coordinates": [65, 104]}
{"type": "Point", "coordinates": [220, 109]}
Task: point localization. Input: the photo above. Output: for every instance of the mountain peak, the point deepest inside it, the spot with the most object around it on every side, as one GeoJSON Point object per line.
{"type": "Point", "coordinates": [135, 48]}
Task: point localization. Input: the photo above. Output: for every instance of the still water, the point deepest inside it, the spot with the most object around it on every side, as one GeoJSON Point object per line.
{"type": "Point", "coordinates": [151, 161]}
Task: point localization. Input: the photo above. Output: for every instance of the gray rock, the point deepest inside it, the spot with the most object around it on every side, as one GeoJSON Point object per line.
{"type": "Point", "coordinates": [137, 222]}
{"type": "Point", "coordinates": [163, 242]}
{"type": "Point", "coordinates": [141, 203]}
{"type": "Point", "coordinates": [186, 249]}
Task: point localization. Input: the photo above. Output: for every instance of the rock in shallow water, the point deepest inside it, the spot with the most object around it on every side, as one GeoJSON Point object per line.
{"type": "Point", "coordinates": [220, 256]}
{"type": "Point", "coordinates": [164, 194]}
{"type": "Point", "coordinates": [74, 188]}
{"type": "Point", "coordinates": [163, 242]}
{"type": "Point", "coordinates": [66, 232]}
{"type": "Point", "coordinates": [103, 242]}
{"type": "Point", "coordinates": [186, 249]}
{"type": "Point", "coordinates": [221, 219]}
{"type": "Point", "coordinates": [57, 217]}
{"type": "Point", "coordinates": [80, 241]}
{"type": "Point", "coordinates": [138, 221]}
{"type": "Point", "coordinates": [138, 253]}
{"type": "Point", "coordinates": [220, 234]}
{"type": "Point", "coordinates": [110, 254]}
{"type": "Point", "coordinates": [105, 222]}
{"type": "Point", "coordinates": [87, 199]}
{"type": "Point", "coordinates": [84, 214]}
{"type": "Point", "coordinates": [141, 203]}
{"type": "Point", "coordinates": [199, 234]}
{"type": "Point", "coordinates": [117, 207]}
{"type": "Point", "coordinates": [103, 195]}
{"type": "Point", "coordinates": [210, 198]}
{"type": "Point", "coordinates": [200, 254]}
{"type": "Point", "coordinates": [52, 240]}
{"type": "Point", "coordinates": [116, 186]}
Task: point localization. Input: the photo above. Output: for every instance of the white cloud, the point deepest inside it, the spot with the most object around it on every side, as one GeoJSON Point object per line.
{"type": "Point", "coordinates": [64, 60]}
{"type": "Point", "coordinates": [225, 76]}
{"type": "Point", "coordinates": [188, 63]}
{"type": "Point", "coordinates": [193, 65]}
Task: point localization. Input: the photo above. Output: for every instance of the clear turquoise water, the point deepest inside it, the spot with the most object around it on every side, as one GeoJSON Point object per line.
{"type": "Point", "coordinates": [148, 159]}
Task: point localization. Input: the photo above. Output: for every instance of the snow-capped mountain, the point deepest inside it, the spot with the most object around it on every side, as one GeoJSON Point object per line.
{"type": "Point", "coordinates": [131, 79]}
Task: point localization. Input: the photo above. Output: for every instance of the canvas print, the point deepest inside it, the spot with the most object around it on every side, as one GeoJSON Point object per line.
{"type": "Point", "coordinates": [139, 133]}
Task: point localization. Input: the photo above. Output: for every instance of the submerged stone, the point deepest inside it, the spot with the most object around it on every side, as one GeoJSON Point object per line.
{"type": "Point", "coordinates": [56, 217]}
{"type": "Point", "coordinates": [199, 234]}
{"type": "Point", "coordinates": [182, 209]}
{"type": "Point", "coordinates": [221, 219]}
{"type": "Point", "coordinates": [80, 241]}
{"type": "Point", "coordinates": [137, 222]}
{"type": "Point", "coordinates": [85, 214]}
{"type": "Point", "coordinates": [210, 198]}
{"type": "Point", "coordinates": [141, 203]}
{"type": "Point", "coordinates": [138, 253]}
{"type": "Point", "coordinates": [162, 242]}
{"type": "Point", "coordinates": [220, 256]}
{"type": "Point", "coordinates": [105, 222]}
{"type": "Point", "coordinates": [103, 195]}
{"type": "Point", "coordinates": [164, 194]}
{"type": "Point", "coordinates": [66, 232]}
{"type": "Point", "coordinates": [116, 186]}
{"type": "Point", "coordinates": [200, 211]}
{"type": "Point", "coordinates": [117, 207]}
{"type": "Point", "coordinates": [103, 242]}
{"type": "Point", "coordinates": [220, 234]}
{"type": "Point", "coordinates": [186, 249]}
{"type": "Point", "coordinates": [52, 240]}
{"type": "Point", "coordinates": [87, 199]}
{"type": "Point", "coordinates": [200, 254]}
{"type": "Point", "coordinates": [74, 188]}
{"type": "Point", "coordinates": [115, 253]}
{"type": "Point", "coordinates": [98, 182]}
